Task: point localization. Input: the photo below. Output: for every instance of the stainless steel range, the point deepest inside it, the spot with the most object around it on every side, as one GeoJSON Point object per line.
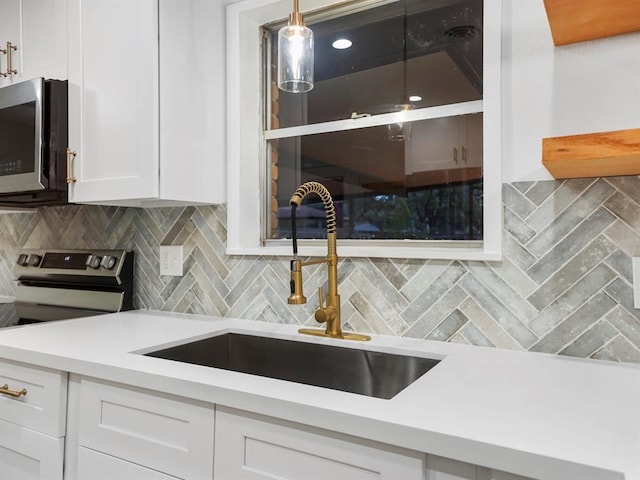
{"type": "Point", "coordinates": [63, 284]}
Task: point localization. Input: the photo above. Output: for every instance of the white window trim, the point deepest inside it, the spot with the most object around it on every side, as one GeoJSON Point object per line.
{"type": "Point", "coordinates": [246, 145]}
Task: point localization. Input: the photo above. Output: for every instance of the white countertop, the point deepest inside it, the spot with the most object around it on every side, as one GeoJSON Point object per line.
{"type": "Point", "coordinates": [540, 416]}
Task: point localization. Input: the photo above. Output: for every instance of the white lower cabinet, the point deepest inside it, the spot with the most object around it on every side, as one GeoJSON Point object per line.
{"type": "Point", "coordinates": [161, 432]}
{"type": "Point", "coordinates": [252, 447]}
{"type": "Point", "coordinates": [29, 455]}
{"type": "Point", "coordinates": [32, 422]}
{"type": "Point", "coordinates": [440, 468]}
{"type": "Point", "coordinates": [98, 466]}
{"type": "Point", "coordinates": [118, 431]}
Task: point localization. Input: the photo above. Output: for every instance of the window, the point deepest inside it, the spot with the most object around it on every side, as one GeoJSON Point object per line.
{"type": "Point", "coordinates": [402, 128]}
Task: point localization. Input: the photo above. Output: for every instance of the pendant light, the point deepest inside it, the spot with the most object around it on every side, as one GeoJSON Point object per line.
{"type": "Point", "coordinates": [295, 54]}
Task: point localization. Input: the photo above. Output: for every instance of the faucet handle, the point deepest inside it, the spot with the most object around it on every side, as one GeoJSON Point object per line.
{"type": "Point", "coordinates": [320, 298]}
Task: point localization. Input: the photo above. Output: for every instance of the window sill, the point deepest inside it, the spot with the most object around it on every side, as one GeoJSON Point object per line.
{"type": "Point", "coordinates": [400, 249]}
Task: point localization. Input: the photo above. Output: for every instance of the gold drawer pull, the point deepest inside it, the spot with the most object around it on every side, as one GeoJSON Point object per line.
{"type": "Point", "coordinates": [12, 393]}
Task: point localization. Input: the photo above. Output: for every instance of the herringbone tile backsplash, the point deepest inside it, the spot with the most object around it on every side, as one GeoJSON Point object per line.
{"type": "Point", "coordinates": [565, 285]}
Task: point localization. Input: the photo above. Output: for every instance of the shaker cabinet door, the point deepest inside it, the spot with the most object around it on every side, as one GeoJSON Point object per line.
{"type": "Point", "coordinates": [252, 447]}
{"type": "Point", "coordinates": [38, 31]}
{"type": "Point", "coordinates": [29, 455]}
{"type": "Point", "coordinates": [94, 465]}
{"type": "Point", "coordinates": [113, 99]}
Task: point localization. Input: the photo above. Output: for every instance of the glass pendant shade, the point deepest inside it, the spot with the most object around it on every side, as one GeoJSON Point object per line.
{"type": "Point", "coordinates": [295, 58]}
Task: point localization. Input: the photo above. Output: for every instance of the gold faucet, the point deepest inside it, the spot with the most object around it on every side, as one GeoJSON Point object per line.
{"type": "Point", "coordinates": [329, 312]}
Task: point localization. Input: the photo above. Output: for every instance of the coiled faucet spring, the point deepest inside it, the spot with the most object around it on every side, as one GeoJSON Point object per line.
{"type": "Point", "coordinates": [328, 313]}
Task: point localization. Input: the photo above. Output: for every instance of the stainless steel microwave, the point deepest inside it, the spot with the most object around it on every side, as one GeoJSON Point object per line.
{"type": "Point", "coordinates": [33, 143]}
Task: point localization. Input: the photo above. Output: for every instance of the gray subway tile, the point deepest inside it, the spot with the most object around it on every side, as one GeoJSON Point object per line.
{"type": "Point", "coordinates": [590, 341]}
{"type": "Point", "coordinates": [574, 325]}
{"type": "Point", "coordinates": [564, 250]}
{"type": "Point", "coordinates": [571, 299]}
{"type": "Point", "coordinates": [494, 307]}
{"type": "Point", "coordinates": [571, 272]}
{"type": "Point", "coordinates": [517, 202]}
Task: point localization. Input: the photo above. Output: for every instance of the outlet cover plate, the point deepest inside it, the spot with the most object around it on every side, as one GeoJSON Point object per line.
{"type": "Point", "coordinates": [171, 260]}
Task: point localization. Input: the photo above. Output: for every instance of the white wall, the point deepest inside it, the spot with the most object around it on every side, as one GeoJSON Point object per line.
{"type": "Point", "coordinates": [553, 91]}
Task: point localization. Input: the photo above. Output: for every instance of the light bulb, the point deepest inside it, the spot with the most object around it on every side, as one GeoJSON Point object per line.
{"type": "Point", "coordinates": [295, 58]}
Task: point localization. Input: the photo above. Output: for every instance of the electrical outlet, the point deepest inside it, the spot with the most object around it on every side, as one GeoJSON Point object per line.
{"type": "Point", "coordinates": [171, 260]}
{"type": "Point", "coordinates": [635, 268]}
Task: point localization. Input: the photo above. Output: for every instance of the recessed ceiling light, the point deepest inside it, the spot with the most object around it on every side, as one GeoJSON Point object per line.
{"type": "Point", "coordinates": [415, 98]}
{"type": "Point", "coordinates": [342, 43]}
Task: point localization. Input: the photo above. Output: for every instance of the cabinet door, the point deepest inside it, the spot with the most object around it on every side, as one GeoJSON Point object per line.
{"type": "Point", "coordinates": [435, 145]}
{"type": "Point", "coordinates": [488, 474]}
{"type": "Point", "coordinates": [440, 468]}
{"type": "Point", "coordinates": [43, 408]}
{"type": "Point", "coordinates": [38, 30]}
{"type": "Point", "coordinates": [161, 432]}
{"type": "Point", "coordinates": [113, 99]}
{"type": "Point", "coordinates": [28, 455]}
{"type": "Point", "coordinates": [9, 31]}
{"type": "Point", "coordinates": [93, 465]}
{"type": "Point", "coordinates": [252, 447]}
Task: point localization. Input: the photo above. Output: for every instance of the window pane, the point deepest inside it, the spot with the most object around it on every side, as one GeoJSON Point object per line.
{"type": "Point", "coordinates": [410, 48]}
{"type": "Point", "coordinates": [419, 180]}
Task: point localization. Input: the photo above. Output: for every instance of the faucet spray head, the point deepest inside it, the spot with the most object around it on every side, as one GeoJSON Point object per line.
{"type": "Point", "coordinates": [296, 297]}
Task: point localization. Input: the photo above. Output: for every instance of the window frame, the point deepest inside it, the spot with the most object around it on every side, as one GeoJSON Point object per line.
{"type": "Point", "coordinates": [246, 144]}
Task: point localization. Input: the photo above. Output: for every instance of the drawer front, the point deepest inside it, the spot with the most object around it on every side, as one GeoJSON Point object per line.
{"type": "Point", "coordinates": [94, 465]}
{"type": "Point", "coordinates": [43, 408]}
{"type": "Point", "coordinates": [251, 447]}
{"type": "Point", "coordinates": [29, 455]}
{"type": "Point", "coordinates": [158, 431]}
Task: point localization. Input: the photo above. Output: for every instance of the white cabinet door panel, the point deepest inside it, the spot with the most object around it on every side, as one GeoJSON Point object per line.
{"type": "Point", "coordinates": [38, 30]}
{"type": "Point", "coordinates": [29, 455]}
{"type": "Point", "coordinates": [113, 106]}
{"type": "Point", "coordinates": [252, 447]}
{"type": "Point", "coordinates": [148, 428]}
{"type": "Point", "coordinates": [43, 52]}
{"type": "Point", "coordinates": [43, 408]}
{"type": "Point", "coordinates": [98, 466]}
{"type": "Point", "coordinates": [440, 468]}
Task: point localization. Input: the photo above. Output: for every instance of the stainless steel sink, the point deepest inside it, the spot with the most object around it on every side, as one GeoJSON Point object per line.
{"type": "Point", "coordinates": [364, 372]}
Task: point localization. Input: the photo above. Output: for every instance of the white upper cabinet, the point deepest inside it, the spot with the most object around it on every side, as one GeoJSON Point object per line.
{"type": "Point", "coordinates": [37, 33]}
{"type": "Point", "coordinates": [146, 102]}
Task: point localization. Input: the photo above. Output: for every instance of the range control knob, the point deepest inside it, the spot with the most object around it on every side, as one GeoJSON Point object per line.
{"type": "Point", "coordinates": [108, 262]}
{"type": "Point", "coordinates": [93, 261]}
{"type": "Point", "coordinates": [34, 260]}
{"type": "Point", "coordinates": [22, 259]}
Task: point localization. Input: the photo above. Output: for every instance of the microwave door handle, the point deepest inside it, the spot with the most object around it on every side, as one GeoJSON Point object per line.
{"type": "Point", "coordinates": [2, 51]}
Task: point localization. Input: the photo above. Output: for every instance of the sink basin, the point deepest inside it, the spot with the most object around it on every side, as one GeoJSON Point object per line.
{"type": "Point", "coordinates": [364, 372]}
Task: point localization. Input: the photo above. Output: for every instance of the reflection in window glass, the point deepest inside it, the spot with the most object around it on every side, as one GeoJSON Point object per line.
{"type": "Point", "coordinates": [428, 186]}
{"type": "Point", "coordinates": [417, 180]}
{"type": "Point", "coordinates": [411, 48]}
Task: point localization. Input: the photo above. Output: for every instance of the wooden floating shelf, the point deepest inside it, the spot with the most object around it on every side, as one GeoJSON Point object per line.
{"type": "Point", "coordinates": [575, 21]}
{"type": "Point", "coordinates": [602, 154]}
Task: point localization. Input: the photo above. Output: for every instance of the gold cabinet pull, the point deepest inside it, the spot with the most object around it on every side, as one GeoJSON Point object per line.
{"type": "Point", "coordinates": [4, 390]}
{"type": "Point", "coordinates": [455, 155]}
{"type": "Point", "coordinates": [2, 51]}
{"type": "Point", "coordinates": [71, 156]}
{"type": "Point", "coordinates": [464, 154]}
{"type": "Point", "coordinates": [10, 47]}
